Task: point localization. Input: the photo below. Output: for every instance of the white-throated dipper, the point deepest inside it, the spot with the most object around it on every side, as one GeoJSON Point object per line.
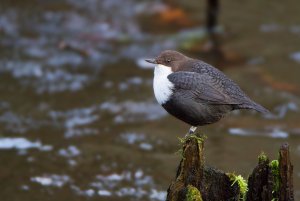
{"type": "Point", "coordinates": [196, 92]}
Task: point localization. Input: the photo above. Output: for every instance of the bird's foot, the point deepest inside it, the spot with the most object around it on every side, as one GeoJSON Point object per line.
{"type": "Point", "coordinates": [192, 130]}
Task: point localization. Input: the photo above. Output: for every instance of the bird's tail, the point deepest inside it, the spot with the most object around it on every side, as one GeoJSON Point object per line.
{"type": "Point", "coordinates": [257, 107]}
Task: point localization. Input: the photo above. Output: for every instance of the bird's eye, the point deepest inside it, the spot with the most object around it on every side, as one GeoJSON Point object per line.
{"type": "Point", "coordinates": [168, 60]}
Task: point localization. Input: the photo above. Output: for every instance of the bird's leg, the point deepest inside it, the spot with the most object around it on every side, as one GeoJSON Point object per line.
{"type": "Point", "coordinates": [192, 130]}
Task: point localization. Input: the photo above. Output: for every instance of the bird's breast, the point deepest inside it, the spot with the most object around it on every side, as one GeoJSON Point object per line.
{"type": "Point", "coordinates": [162, 86]}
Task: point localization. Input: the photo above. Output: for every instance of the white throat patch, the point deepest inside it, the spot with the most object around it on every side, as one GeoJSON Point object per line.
{"type": "Point", "coordinates": [161, 84]}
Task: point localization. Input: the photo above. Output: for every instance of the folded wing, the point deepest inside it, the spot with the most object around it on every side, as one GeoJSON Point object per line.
{"type": "Point", "coordinates": [209, 89]}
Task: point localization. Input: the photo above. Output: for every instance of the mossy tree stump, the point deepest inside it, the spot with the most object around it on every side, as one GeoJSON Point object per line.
{"type": "Point", "coordinates": [269, 181]}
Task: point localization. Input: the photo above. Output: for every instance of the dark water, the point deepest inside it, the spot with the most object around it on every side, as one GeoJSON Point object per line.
{"type": "Point", "coordinates": [78, 119]}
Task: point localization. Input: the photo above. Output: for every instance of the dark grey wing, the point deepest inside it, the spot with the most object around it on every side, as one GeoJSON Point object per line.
{"type": "Point", "coordinates": [213, 86]}
{"type": "Point", "coordinates": [225, 84]}
{"type": "Point", "coordinates": [205, 88]}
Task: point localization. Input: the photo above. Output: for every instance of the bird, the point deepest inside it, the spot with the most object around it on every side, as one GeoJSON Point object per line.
{"type": "Point", "coordinates": [195, 92]}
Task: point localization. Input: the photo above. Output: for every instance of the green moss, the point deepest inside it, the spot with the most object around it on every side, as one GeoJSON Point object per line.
{"type": "Point", "coordinates": [262, 157]}
{"type": "Point", "coordinates": [274, 165]}
{"type": "Point", "coordinates": [192, 136]}
{"type": "Point", "coordinates": [241, 182]}
{"type": "Point", "coordinates": [183, 141]}
{"type": "Point", "coordinates": [193, 194]}
{"type": "Point", "coordinates": [180, 152]}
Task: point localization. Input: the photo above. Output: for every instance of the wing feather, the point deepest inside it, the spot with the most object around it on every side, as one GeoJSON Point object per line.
{"type": "Point", "coordinates": [204, 87]}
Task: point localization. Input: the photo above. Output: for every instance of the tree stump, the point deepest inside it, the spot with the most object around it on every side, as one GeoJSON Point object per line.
{"type": "Point", "coordinates": [269, 181]}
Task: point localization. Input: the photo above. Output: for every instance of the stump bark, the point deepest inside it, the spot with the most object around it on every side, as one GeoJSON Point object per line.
{"type": "Point", "coordinates": [195, 181]}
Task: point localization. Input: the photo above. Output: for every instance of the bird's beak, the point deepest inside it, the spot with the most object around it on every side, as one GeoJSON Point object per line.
{"type": "Point", "coordinates": [152, 61]}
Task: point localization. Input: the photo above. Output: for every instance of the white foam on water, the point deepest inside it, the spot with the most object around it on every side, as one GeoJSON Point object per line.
{"type": "Point", "coordinates": [51, 180]}
{"type": "Point", "coordinates": [146, 146]}
{"type": "Point", "coordinates": [273, 132]}
{"type": "Point", "coordinates": [104, 193]}
{"type": "Point", "coordinates": [22, 144]}
{"type": "Point", "coordinates": [158, 195]}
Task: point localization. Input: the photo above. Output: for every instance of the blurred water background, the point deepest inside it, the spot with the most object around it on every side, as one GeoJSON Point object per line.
{"type": "Point", "coordinates": [78, 119]}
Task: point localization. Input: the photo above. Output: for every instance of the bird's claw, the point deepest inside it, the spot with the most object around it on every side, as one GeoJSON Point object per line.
{"type": "Point", "coordinates": [192, 130]}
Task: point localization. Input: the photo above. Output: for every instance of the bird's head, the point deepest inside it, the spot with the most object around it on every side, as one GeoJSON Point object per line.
{"type": "Point", "coordinates": [169, 58]}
